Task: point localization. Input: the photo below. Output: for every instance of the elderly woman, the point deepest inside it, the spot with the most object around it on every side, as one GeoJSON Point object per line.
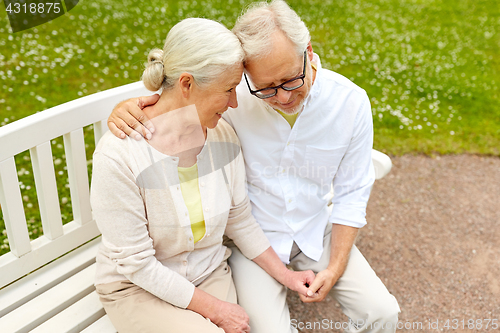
{"type": "Point", "coordinates": [163, 205]}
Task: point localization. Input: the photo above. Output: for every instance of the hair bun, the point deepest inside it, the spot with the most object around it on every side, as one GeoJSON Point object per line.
{"type": "Point", "coordinates": [153, 75]}
{"type": "Point", "coordinates": [155, 56]}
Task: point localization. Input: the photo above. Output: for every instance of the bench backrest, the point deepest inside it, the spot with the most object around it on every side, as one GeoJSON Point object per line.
{"type": "Point", "coordinates": [34, 133]}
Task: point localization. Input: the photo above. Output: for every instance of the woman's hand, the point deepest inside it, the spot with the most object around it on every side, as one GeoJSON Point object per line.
{"type": "Point", "coordinates": [322, 285]}
{"type": "Point", "coordinates": [228, 316]}
{"type": "Point", "coordinates": [297, 281]}
{"type": "Point", "coordinates": [128, 118]}
{"type": "Point", "coordinates": [232, 318]}
{"type": "Point", "coordinates": [300, 282]}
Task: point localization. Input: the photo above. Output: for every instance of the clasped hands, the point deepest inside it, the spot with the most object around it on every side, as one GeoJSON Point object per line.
{"type": "Point", "coordinates": [310, 287]}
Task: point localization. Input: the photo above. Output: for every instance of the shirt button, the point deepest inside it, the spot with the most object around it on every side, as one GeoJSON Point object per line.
{"type": "Point", "coordinates": [288, 143]}
{"type": "Point", "coordinates": [178, 188]}
{"type": "Point", "coordinates": [206, 209]}
{"type": "Point", "coordinates": [190, 239]}
{"type": "Point", "coordinates": [290, 200]}
{"type": "Point", "coordinates": [186, 214]}
{"type": "Point", "coordinates": [208, 235]}
{"type": "Point", "coordinates": [185, 263]}
{"type": "Point", "coordinates": [202, 184]}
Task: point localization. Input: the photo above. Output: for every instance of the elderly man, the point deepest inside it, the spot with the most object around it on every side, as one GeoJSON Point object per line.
{"type": "Point", "coordinates": [303, 129]}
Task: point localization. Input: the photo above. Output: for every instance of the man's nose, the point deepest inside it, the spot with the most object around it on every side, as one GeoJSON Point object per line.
{"type": "Point", "coordinates": [283, 96]}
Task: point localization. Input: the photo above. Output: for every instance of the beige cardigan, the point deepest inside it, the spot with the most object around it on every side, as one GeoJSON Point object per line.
{"type": "Point", "coordinates": [146, 232]}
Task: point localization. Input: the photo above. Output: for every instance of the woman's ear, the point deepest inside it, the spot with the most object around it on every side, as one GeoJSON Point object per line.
{"type": "Point", "coordinates": [186, 82]}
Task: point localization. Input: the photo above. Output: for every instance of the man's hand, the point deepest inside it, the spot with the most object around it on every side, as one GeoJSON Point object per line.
{"type": "Point", "coordinates": [321, 286]}
{"type": "Point", "coordinates": [342, 240]}
{"type": "Point", "coordinates": [128, 118]}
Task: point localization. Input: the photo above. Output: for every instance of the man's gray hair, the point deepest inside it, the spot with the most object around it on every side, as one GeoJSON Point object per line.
{"type": "Point", "coordinates": [256, 27]}
{"type": "Point", "coordinates": [200, 47]}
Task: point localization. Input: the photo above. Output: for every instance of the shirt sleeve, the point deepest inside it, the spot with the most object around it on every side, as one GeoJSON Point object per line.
{"type": "Point", "coordinates": [356, 175]}
{"type": "Point", "coordinates": [242, 227]}
{"type": "Point", "coordinates": [120, 214]}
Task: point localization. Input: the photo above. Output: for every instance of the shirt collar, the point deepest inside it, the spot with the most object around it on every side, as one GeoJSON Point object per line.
{"type": "Point", "coordinates": [316, 86]}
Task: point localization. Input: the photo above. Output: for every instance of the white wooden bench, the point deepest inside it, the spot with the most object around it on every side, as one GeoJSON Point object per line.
{"type": "Point", "coordinates": [46, 285]}
{"type": "Point", "coordinates": [58, 295]}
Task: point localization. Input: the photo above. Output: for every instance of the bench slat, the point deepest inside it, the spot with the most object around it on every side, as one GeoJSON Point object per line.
{"type": "Point", "coordinates": [46, 189]}
{"type": "Point", "coordinates": [74, 318]}
{"type": "Point", "coordinates": [102, 325]}
{"type": "Point", "coordinates": [45, 278]}
{"type": "Point", "coordinates": [41, 308]}
{"type": "Point", "coordinates": [12, 208]}
{"type": "Point", "coordinates": [100, 128]}
{"type": "Point", "coordinates": [45, 250]}
{"type": "Point", "coordinates": [74, 146]}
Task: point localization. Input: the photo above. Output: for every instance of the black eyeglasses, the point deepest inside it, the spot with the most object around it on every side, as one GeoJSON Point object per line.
{"type": "Point", "coordinates": [289, 85]}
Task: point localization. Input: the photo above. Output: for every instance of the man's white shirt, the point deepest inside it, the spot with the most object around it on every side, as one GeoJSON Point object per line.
{"type": "Point", "coordinates": [290, 171]}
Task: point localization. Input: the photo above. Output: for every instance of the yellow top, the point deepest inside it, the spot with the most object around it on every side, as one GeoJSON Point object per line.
{"type": "Point", "coordinates": [290, 118]}
{"type": "Point", "coordinates": [192, 198]}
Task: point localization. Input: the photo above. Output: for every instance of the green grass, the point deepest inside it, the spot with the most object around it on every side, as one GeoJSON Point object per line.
{"type": "Point", "coordinates": [431, 68]}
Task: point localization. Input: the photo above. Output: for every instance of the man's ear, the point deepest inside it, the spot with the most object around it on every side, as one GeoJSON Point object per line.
{"type": "Point", "coordinates": [186, 82]}
{"type": "Point", "coordinates": [310, 53]}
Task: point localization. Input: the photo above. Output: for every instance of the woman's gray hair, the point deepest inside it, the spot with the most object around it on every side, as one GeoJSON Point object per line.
{"type": "Point", "coordinates": [200, 47]}
{"type": "Point", "coordinates": [255, 28]}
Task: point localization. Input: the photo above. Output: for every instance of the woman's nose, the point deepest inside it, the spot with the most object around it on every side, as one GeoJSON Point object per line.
{"type": "Point", "coordinates": [233, 101]}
